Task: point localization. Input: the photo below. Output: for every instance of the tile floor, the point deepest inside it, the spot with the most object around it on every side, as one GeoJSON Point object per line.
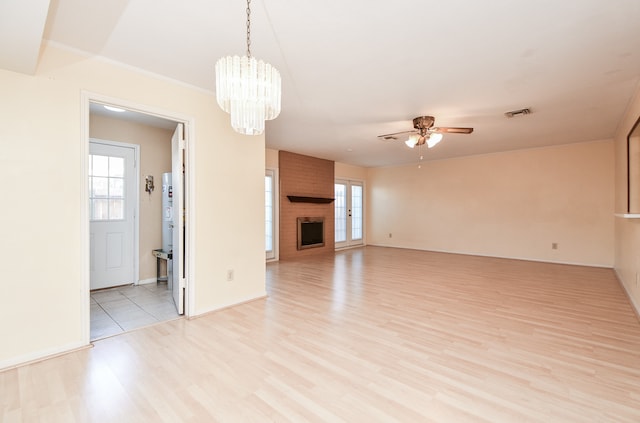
{"type": "Point", "coordinates": [129, 307]}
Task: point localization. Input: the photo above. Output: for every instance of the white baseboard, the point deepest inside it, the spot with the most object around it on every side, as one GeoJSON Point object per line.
{"type": "Point", "coordinates": [634, 304]}
{"type": "Point", "coordinates": [146, 281]}
{"type": "Point", "coordinates": [570, 263]}
{"type": "Point", "coordinates": [35, 357]}
{"type": "Point", "coordinates": [201, 313]}
{"type": "Point", "coordinates": [350, 247]}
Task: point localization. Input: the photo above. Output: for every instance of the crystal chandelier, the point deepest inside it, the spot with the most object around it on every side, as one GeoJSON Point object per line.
{"type": "Point", "coordinates": [248, 89]}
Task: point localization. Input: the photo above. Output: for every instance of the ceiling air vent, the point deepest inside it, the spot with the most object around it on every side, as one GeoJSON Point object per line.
{"type": "Point", "coordinates": [520, 112]}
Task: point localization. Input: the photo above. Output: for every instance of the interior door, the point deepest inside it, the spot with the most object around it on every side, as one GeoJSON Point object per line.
{"type": "Point", "coordinates": [177, 176]}
{"type": "Point", "coordinates": [112, 205]}
{"type": "Point", "coordinates": [349, 213]}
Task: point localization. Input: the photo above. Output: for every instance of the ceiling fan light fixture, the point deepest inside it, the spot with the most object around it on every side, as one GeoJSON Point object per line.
{"type": "Point", "coordinates": [249, 90]}
{"type": "Point", "coordinates": [412, 141]}
{"type": "Point", "coordinates": [433, 139]}
{"type": "Point", "coordinates": [424, 132]}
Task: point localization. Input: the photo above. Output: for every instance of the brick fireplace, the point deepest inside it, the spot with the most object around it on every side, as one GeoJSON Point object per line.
{"type": "Point", "coordinates": [309, 181]}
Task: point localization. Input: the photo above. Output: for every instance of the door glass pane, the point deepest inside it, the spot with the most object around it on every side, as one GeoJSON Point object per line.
{"type": "Point", "coordinates": [116, 187]}
{"type": "Point", "coordinates": [116, 209]}
{"type": "Point", "coordinates": [116, 166]}
{"type": "Point", "coordinates": [100, 209]}
{"type": "Point", "coordinates": [100, 187]}
{"type": "Point", "coordinates": [268, 201]}
{"type": "Point", "coordinates": [100, 165]}
{"type": "Point", "coordinates": [356, 212]}
{"type": "Point", "coordinates": [340, 212]}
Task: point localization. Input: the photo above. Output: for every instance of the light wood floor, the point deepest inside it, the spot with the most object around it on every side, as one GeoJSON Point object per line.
{"type": "Point", "coordinates": [367, 335]}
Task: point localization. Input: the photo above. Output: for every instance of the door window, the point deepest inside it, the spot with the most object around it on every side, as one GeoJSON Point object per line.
{"type": "Point", "coordinates": [106, 187]}
{"type": "Point", "coordinates": [356, 212]}
{"type": "Point", "coordinates": [340, 212]}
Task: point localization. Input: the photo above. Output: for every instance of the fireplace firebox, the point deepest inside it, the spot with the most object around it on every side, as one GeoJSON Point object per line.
{"type": "Point", "coordinates": [310, 232]}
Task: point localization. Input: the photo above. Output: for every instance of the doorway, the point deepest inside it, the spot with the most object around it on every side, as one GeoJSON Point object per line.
{"type": "Point", "coordinates": [144, 297]}
{"type": "Point", "coordinates": [112, 213]}
{"type": "Point", "coordinates": [349, 213]}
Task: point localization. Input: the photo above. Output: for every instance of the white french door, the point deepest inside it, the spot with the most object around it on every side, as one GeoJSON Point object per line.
{"type": "Point", "coordinates": [112, 206]}
{"type": "Point", "coordinates": [349, 211]}
{"type": "Point", "coordinates": [177, 175]}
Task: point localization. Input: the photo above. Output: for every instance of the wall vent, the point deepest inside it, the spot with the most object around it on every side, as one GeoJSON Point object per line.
{"type": "Point", "coordinates": [519, 112]}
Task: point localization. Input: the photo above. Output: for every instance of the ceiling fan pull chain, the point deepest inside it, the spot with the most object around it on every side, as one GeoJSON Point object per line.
{"type": "Point", "coordinates": [248, 28]}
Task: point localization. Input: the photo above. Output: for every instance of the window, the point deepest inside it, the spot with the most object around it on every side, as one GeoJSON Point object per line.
{"type": "Point", "coordinates": [106, 187]}
{"type": "Point", "coordinates": [269, 205]}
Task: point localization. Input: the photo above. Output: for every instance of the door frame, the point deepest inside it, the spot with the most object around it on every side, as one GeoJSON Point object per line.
{"type": "Point", "coordinates": [86, 98]}
{"type": "Point", "coordinates": [349, 243]}
{"type": "Point", "coordinates": [136, 211]}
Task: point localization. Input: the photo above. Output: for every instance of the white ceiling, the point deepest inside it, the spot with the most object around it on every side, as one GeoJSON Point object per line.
{"type": "Point", "coordinates": [21, 26]}
{"type": "Point", "coordinates": [97, 109]}
{"type": "Point", "coordinates": [355, 69]}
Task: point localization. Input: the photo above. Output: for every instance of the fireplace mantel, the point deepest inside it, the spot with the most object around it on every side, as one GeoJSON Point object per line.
{"type": "Point", "coordinates": [317, 200]}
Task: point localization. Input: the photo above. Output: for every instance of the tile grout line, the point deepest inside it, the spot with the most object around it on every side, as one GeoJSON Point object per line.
{"type": "Point", "coordinates": [154, 294]}
{"type": "Point", "coordinates": [110, 316]}
{"type": "Point", "coordinates": [142, 307]}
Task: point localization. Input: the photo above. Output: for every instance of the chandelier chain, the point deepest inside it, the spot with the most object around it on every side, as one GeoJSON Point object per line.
{"type": "Point", "coordinates": [248, 28]}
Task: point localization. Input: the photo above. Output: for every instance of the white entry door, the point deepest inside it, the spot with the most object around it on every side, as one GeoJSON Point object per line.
{"type": "Point", "coordinates": [348, 213]}
{"type": "Point", "coordinates": [177, 176]}
{"type": "Point", "coordinates": [112, 205]}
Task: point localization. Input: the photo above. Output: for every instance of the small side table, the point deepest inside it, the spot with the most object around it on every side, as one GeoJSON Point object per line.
{"type": "Point", "coordinates": [160, 254]}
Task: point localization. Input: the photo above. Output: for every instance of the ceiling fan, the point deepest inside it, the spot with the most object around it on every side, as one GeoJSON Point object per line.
{"type": "Point", "coordinates": [425, 132]}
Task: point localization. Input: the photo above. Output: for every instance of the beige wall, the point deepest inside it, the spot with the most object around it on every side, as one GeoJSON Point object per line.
{"type": "Point", "coordinates": [513, 204]}
{"type": "Point", "coordinates": [345, 171]}
{"type": "Point", "coordinates": [46, 240]}
{"type": "Point", "coordinates": [271, 158]}
{"type": "Point", "coordinates": [342, 170]}
{"type": "Point", "coordinates": [155, 159]}
{"type": "Point", "coordinates": [627, 231]}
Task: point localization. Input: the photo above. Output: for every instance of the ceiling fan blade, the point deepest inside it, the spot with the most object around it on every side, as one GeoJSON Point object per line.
{"type": "Point", "coordinates": [446, 130]}
{"type": "Point", "coordinates": [393, 135]}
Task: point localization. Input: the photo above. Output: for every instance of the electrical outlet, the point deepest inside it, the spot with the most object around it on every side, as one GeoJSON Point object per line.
{"type": "Point", "coordinates": [230, 275]}
{"type": "Point", "coordinates": [390, 235]}
{"type": "Point", "coordinates": [554, 245]}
